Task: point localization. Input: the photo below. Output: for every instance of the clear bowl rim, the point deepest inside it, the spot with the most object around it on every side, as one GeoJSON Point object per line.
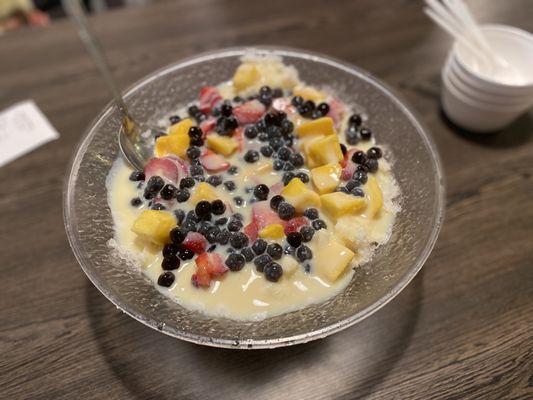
{"type": "Point", "coordinates": [439, 187]}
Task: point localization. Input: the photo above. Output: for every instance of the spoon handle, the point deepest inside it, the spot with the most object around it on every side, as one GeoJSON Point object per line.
{"type": "Point", "coordinates": [76, 13]}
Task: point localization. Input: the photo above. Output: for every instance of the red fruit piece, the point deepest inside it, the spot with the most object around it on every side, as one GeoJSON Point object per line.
{"type": "Point", "coordinates": [201, 277]}
{"type": "Point", "coordinates": [347, 157]}
{"type": "Point", "coordinates": [276, 188]}
{"type": "Point", "coordinates": [284, 105]}
{"type": "Point", "coordinates": [213, 162]}
{"type": "Point", "coordinates": [294, 225]}
{"type": "Point", "coordinates": [196, 242]}
{"type": "Point", "coordinates": [215, 265]}
{"type": "Point", "coordinates": [348, 165]}
{"type": "Point", "coordinates": [348, 171]}
{"type": "Point", "coordinates": [251, 231]}
{"type": "Point", "coordinates": [238, 135]}
{"type": "Point", "coordinates": [182, 165]}
{"type": "Point", "coordinates": [209, 98]}
{"type": "Point", "coordinates": [336, 111]}
{"type": "Point", "coordinates": [207, 126]}
{"type": "Point", "coordinates": [263, 215]}
{"type": "Point", "coordinates": [249, 112]}
{"type": "Point", "coordinates": [164, 167]}
{"type": "Point", "coordinates": [208, 265]}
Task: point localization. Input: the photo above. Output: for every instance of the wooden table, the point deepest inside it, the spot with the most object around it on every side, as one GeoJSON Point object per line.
{"type": "Point", "coordinates": [463, 327]}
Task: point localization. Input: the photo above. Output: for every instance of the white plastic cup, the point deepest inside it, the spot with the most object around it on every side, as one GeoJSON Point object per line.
{"type": "Point", "coordinates": [472, 115]}
{"type": "Point", "coordinates": [477, 101]}
{"type": "Point", "coordinates": [514, 45]}
{"type": "Point", "coordinates": [483, 97]}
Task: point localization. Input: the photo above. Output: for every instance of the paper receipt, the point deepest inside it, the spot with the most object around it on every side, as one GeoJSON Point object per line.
{"type": "Point", "coordinates": [23, 128]}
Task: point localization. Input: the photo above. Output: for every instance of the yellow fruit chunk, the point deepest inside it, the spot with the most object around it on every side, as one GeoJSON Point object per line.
{"type": "Point", "coordinates": [326, 178]}
{"type": "Point", "coordinates": [176, 142]}
{"type": "Point", "coordinates": [245, 76]}
{"type": "Point", "coordinates": [203, 191]}
{"type": "Point", "coordinates": [221, 144]}
{"type": "Point", "coordinates": [338, 204]}
{"type": "Point", "coordinates": [172, 144]}
{"type": "Point", "coordinates": [375, 197]}
{"type": "Point", "coordinates": [306, 141]}
{"type": "Point", "coordinates": [272, 231]}
{"type": "Point", "coordinates": [321, 126]}
{"type": "Point", "coordinates": [309, 93]}
{"type": "Point", "coordinates": [326, 150]}
{"type": "Point", "coordinates": [161, 146]}
{"type": "Point", "coordinates": [181, 128]}
{"type": "Point", "coordinates": [331, 257]}
{"type": "Point", "coordinates": [154, 225]}
{"type": "Point", "coordinates": [260, 168]}
{"type": "Point", "coordinates": [300, 196]}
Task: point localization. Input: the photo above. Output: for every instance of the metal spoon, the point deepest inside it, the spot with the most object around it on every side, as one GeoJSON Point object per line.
{"type": "Point", "coordinates": [134, 148]}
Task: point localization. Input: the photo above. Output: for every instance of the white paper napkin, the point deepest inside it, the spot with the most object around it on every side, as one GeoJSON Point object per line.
{"type": "Point", "coordinates": [23, 128]}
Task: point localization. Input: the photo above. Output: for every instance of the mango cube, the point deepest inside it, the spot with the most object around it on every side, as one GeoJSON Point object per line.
{"type": "Point", "coordinates": [321, 126]}
{"type": "Point", "coordinates": [252, 172]}
{"type": "Point", "coordinates": [307, 141]}
{"type": "Point", "coordinates": [300, 196]}
{"type": "Point", "coordinates": [272, 231]}
{"type": "Point", "coordinates": [339, 204]}
{"type": "Point", "coordinates": [246, 76]}
{"type": "Point", "coordinates": [326, 150]}
{"type": "Point", "coordinates": [203, 191]}
{"type": "Point", "coordinates": [221, 144]}
{"type": "Point", "coordinates": [375, 197]}
{"type": "Point", "coordinates": [172, 144]}
{"type": "Point", "coordinates": [326, 178]}
{"type": "Point", "coordinates": [181, 128]}
{"type": "Point", "coordinates": [154, 225]}
{"type": "Point", "coordinates": [331, 257]}
{"type": "Point", "coordinates": [309, 93]}
{"type": "Point", "coordinates": [162, 145]}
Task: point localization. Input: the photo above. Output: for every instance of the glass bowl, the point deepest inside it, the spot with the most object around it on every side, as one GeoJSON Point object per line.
{"type": "Point", "coordinates": [416, 167]}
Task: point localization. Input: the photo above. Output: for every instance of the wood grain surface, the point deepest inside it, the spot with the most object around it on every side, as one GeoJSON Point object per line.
{"type": "Point", "coordinates": [461, 330]}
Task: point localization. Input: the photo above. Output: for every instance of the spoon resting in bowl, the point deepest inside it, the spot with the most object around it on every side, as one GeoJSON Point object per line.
{"type": "Point", "coordinates": [133, 147]}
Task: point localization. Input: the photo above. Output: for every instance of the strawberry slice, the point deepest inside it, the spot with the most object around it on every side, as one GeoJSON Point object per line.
{"type": "Point", "coordinates": [348, 172]}
{"type": "Point", "coordinates": [165, 167]}
{"type": "Point", "coordinates": [263, 215]}
{"type": "Point", "coordinates": [348, 165]}
{"type": "Point", "coordinates": [213, 162]}
{"type": "Point", "coordinates": [201, 277]}
{"type": "Point", "coordinates": [207, 126]}
{"type": "Point", "coordinates": [238, 135]}
{"type": "Point", "coordinates": [294, 224]}
{"type": "Point", "coordinates": [347, 157]}
{"type": "Point", "coordinates": [208, 265]}
{"type": "Point", "coordinates": [196, 242]}
{"type": "Point", "coordinates": [182, 165]}
{"type": "Point", "coordinates": [276, 188]}
{"type": "Point", "coordinates": [249, 112]}
{"type": "Point", "coordinates": [336, 111]}
{"type": "Point", "coordinates": [215, 266]}
{"type": "Point", "coordinates": [209, 98]}
{"type": "Point", "coordinates": [251, 231]}
{"type": "Point", "coordinates": [284, 105]}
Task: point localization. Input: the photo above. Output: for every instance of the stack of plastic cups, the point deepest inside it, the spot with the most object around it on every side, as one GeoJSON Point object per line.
{"type": "Point", "coordinates": [482, 98]}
